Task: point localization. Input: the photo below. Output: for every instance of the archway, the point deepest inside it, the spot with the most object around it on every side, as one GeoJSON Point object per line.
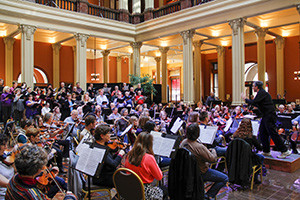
{"type": "Point", "coordinates": [39, 76]}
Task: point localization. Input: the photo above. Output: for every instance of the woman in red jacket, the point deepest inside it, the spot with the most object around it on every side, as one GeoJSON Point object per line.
{"type": "Point", "coordinates": [141, 160]}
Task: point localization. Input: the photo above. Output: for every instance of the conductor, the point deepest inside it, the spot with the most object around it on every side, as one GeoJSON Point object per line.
{"type": "Point", "coordinates": [267, 126]}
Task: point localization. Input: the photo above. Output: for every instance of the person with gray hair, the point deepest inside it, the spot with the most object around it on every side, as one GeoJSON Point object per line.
{"type": "Point", "coordinates": [267, 128]}
{"type": "Point", "coordinates": [29, 163]}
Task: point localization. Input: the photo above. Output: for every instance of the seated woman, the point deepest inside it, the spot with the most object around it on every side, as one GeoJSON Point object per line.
{"type": "Point", "coordinates": [104, 176]}
{"type": "Point", "coordinates": [141, 160]}
{"type": "Point", "coordinates": [204, 155]}
{"type": "Point", "coordinates": [6, 170]}
{"type": "Point", "coordinates": [245, 132]}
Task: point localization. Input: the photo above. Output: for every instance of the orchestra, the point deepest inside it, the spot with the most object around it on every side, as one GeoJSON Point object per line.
{"type": "Point", "coordinates": [120, 122]}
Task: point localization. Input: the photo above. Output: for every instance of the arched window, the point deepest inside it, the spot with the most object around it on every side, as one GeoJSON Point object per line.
{"type": "Point", "coordinates": [39, 76]}
{"type": "Point", "coordinates": [251, 73]}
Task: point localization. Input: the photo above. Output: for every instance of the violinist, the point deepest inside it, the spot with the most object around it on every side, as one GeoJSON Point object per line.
{"type": "Point", "coordinates": [73, 119]}
{"type": "Point", "coordinates": [90, 123]}
{"type": "Point", "coordinates": [114, 115]}
{"type": "Point", "coordinates": [56, 113]}
{"type": "Point", "coordinates": [99, 117]}
{"type": "Point", "coordinates": [29, 163]}
{"type": "Point", "coordinates": [25, 124]}
{"type": "Point", "coordinates": [6, 171]}
{"type": "Point", "coordinates": [112, 160]}
{"type": "Point", "coordinates": [123, 122]}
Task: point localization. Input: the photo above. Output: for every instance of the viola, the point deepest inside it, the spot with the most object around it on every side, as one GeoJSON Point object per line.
{"type": "Point", "coordinates": [116, 145]}
{"type": "Point", "coordinates": [47, 176]}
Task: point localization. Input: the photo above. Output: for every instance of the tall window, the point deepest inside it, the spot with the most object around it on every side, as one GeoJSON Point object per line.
{"type": "Point", "coordinates": [214, 79]}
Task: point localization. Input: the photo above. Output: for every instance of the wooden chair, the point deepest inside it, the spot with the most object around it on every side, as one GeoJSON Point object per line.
{"type": "Point", "coordinates": [255, 169]}
{"type": "Point", "coordinates": [128, 184]}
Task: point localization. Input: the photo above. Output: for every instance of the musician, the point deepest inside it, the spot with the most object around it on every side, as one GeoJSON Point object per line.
{"type": "Point", "coordinates": [31, 107]}
{"type": "Point", "coordinates": [102, 99]}
{"type": "Point", "coordinates": [106, 90]}
{"type": "Point", "coordinates": [87, 106]}
{"type": "Point", "coordinates": [90, 123]}
{"type": "Point", "coordinates": [296, 120]}
{"type": "Point", "coordinates": [115, 92]}
{"type": "Point", "coordinates": [112, 160]}
{"type": "Point", "coordinates": [14, 86]}
{"type": "Point", "coordinates": [141, 160]}
{"type": "Point", "coordinates": [210, 99]}
{"type": "Point", "coordinates": [99, 117]}
{"type": "Point", "coordinates": [73, 119]}
{"type": "Point", "coordinates": [123, 122]}
{"type": "Point", "coordinates": [204, 155]}
{"type": "Point", "coordinates": [267, 126]}
{"type": "Point", "coordinates": [6, 171]}
{"type": "Point", "coordinates": [245, 132]}
{"type": "Point", "coordinates": [46, 109]}
{"type": "Point", "coordinates": [125, 88]}
{"type": "Point", "coordinates": [24, 125]}
{"type": "Point", "coordinates": [139, 110]}
{"type": "Point", "coordinates": [139, 98]}
{"type": "Point", "coordinates": [131, 92]}
{"type": "Point", "coordinates": [68, 106]}
{"type": "Point", "coordinates": [6, 100]}
{"type": "Point", "coordinates": [132, 133]}
{"type": "Point", "coordinates": [141, 124]}
{"type": "Point", "coordinates": [238, 113]}
{"type": "Point", "coordinates": [29, 163]}
{"type": "Point", "coordinates": [91, 90]}
{"type": "Point", "coordinates": [139, 88]}
{"type": "Point", "coordinates": [289, 109]}
{"type": "Point", "coordinates": [79, 89]}
{"type": "Point", "coordinates": [18, 107]}
{"type": "Point", "coordinates": [62, 85]}
{"type": "Point", "coordinates": [119, 101]}
{"type": "Point", "coordinates": [114, 115]}
{"type": "Point", "coordinates": [56, 114]}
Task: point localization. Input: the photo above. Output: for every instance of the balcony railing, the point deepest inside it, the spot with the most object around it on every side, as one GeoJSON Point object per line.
{"type": "Point", "coordinates": [170, 8]}
{"type": "Point", "coordinates": [62, 4]}
{"type": "Point", "coordinates": [103, 12]}
{"type": "Point", "coordinates": [76, 5]}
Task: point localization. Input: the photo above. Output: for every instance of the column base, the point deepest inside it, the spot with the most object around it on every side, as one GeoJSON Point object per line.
{"type": "Point", "coordinates": [124, 16]}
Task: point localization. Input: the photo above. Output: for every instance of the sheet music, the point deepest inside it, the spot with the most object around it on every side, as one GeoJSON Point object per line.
{"type": "Point", "coordinates": [177, 125]}
{"type": "Point", "coordinates": [228, 124]}
{"type": "Point", "coordinates": [255, 127]}
{"type": "Point", "coordinates": [82, 147]}
{"type": "Point", "coordinates": [89, 159]}
{"type": "Point", "coordinates": [126, 130]}
{"type": "Point", "coordinates": [207, 134]}
{"type": "Point", "coordinates": [162, 146]}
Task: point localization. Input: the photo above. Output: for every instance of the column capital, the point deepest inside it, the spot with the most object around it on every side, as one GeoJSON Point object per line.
{"type": "Point", "coordinates": [119, 58]}
{"type": "Point", "coordinates": [261, 32]}
{"type": "Point", "coordinates": [136, 45]}
{"type": "Point", "coordinates": [9, 42]}
{"type": "Point", "coordinates": [81, 38]}
{"type": "Point", "coordinates": [198, 43]}
{"type": "Point", "coordinates": [164, 49]}
{"type": "Point", "coordinates": [235, 24]}
{"type": "Point", "coordinates": [27, 30]}
{"type": "Point", "coordinates": [279, 41]}
{"type": "Point", "coordinates": [220, 50]}
{"type": "Point", "coordinates": [157, 59]}
{"type": "Point", "coordinates": [105, 52]}
{"type": "Point", "coordinates": [187, 35]}
{"type": "Point", "coordinates": [56, 47]}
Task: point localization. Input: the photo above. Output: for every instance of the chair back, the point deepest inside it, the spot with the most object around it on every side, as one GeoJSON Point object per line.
{"type": "Point", "coordinates": [128, 185]}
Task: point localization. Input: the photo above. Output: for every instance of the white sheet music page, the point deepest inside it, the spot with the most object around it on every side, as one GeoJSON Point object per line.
{"type": "Point", "coordinates": [255, 127]}
{"type": "Point", "coordinates": [207, 134]}
{"type": "Point", "coordinates": [162, 146]}
{"type": "Point", "coordinates": [228, 124]}
{"type": "Point", "coordinates": [177, 124]}
{"type": "Point", "coordinates": [89, 160]}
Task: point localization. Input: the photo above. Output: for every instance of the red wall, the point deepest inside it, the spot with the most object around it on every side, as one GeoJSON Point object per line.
{"type": "Point", "coordinates": [66, 62]}
{"type": "Point", "coordinates": [2, 59]}
{"type": "Point", "coordinates": [112, 69]}
{"type": "Point", "coordinates": [90, 70]}
{"type": "Point", "coordinates": [43, 58]}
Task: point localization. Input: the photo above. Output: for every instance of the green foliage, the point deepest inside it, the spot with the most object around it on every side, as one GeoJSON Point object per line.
{"type": "Point", "coordinates": [146, 82]}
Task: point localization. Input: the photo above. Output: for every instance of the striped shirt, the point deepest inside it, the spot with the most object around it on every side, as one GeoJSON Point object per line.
{"type": "Point", "coordinates": [18, 189]}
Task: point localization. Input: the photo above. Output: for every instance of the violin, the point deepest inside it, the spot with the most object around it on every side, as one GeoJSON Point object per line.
{"type": "Point", "coordinates": [115, 144]}
{"type": "Point", "coordinates": [8, 158]}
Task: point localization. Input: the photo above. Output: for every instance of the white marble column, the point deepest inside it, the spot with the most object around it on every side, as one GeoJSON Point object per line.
{"type": "Point", "coordinates": [136, 6]}
{"type": "Point", "coordinates": [221, 72]}
{"type": "Point", "coordinates": [105, 60]}
{"type": "Point", "coordinates": [188, 85]}
{"type": "Point", "coordinates": [9, 59]}
{"type": "Point", "coordinates": [279, 41]}
{"type": "Point", "coordinates": [56, 66]}
{"type": "Point", "coordinates": [119, 69]}
{"type": "Point", "coordinates": [27, 53]}
{"type": "Point", "coordinates": [123, 5]}
{"type": "Point", "coordinates": [81, 59]}
{"type": "Point", "coordinates": [136, 46]}
{"type": "Point", "coordinates": [157, 59]}
{"type": "Point", "coordinates": [149, 4]}
{"type": "Point", "coordinates": [198, 71]}
{"type": "Point", "coordinates": [238, 60]}
{"type": "Point", "coordinates": [164, 74]}
{"type": "Point", "coordinates": [261, 54]}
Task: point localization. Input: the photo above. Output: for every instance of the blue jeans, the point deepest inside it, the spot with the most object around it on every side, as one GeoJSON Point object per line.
{"type": "Point", "coordinates": [220, 151]}
{"type": "Point", "coordinates": [219, 178]}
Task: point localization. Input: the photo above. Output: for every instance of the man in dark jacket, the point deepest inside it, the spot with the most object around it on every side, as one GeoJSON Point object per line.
{"type": "Point", "coordinates": [267, 126]}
